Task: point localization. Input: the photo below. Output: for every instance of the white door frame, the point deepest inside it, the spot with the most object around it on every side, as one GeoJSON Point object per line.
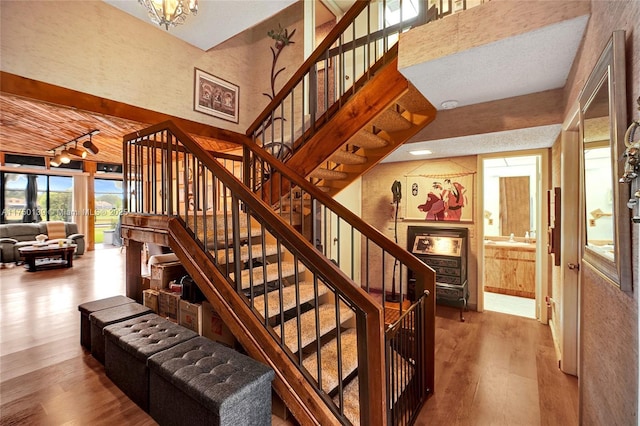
{"type": "Point", "coordinates": [542, 264]}
{"type": "Point", "coordinates": [570, 246]}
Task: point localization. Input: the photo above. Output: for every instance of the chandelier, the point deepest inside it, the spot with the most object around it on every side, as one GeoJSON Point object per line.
{"type": "Point", "coordinates": [169, 12]}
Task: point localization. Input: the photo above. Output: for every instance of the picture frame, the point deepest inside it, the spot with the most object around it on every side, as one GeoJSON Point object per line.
{"type": "Point", "coordinates": [215, 96]}
{"type": "Point", "coordinates": [447, 198]}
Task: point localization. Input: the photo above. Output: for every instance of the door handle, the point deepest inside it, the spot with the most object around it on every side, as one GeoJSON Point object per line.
{"type": "Point", "coordinates": [573, 266]}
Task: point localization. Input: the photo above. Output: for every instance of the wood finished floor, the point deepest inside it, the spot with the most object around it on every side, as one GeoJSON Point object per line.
{"type": "Point", "coordinates": [494, 369]}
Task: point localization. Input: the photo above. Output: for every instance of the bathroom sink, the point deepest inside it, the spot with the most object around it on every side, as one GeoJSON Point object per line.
{"type": "Point", "coordinates": [510, 243]}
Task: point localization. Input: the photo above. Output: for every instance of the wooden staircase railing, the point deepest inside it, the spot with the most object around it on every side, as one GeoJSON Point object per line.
{"type": "Point", "coordinates": [225, 236]}
{"type": "Point", "coordinates": [341, 64]}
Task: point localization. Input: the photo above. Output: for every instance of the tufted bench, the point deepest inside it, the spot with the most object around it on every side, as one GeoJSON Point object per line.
{"type": "Point", "coordinates": [88, 308]}
{"type": "Point", "coordinates": [129, 343]}
{"type": "Point", "coordinates": [203, 382]}
{"type": "Point", "coordinates": [101, 319]}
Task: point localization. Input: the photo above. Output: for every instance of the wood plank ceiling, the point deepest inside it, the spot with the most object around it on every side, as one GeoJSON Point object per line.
{"type": "Point", "coordinates": [34, 126]}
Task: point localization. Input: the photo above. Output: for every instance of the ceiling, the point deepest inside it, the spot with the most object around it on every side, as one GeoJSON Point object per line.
{"type": "Point", "coordinates": [532, 62]}
{"type": "Point", "coordinates": [215, 21]}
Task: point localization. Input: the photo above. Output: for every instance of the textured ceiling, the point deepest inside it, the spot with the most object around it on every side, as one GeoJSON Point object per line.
{"type": "Point", "coordinates": [532, 62]}
{"type": "Point", "coordinates": [488, 143]}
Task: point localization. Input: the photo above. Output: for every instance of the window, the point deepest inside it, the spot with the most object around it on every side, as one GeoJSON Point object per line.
{"type": "Point", "coordinates": [108, 202]}
{"type": "Point", "coordinates": [35, 198]}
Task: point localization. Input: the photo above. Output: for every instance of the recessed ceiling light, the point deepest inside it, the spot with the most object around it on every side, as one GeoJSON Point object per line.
{"type": "Point", "coordinates": [451, 104]}
{"type": "Point", "coordinates": [420, 152]}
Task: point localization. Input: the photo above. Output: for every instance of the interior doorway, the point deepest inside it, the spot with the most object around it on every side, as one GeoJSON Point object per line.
{"type": "Point", "coordinates": [512, 199]}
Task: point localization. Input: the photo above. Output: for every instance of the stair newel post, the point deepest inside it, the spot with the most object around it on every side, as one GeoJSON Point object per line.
{"type": "Point", "coordinates": [426, 287]}
{"type": "Point", "coordinates": [372, 379]}
{"type": "Point", "coordinates": [127, 175]}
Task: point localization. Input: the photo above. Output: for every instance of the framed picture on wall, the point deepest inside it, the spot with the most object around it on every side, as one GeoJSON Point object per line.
{"type": "Point", "coordinates": [440, 198]}
{"type": "Point", "coordinates": [215, 96]}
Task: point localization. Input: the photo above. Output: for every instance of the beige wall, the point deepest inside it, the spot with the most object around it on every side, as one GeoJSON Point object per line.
{"type": "Point", "coordinates": [608, 317]}
{"type": "Point", "coordinates": [378, 210]}
{"type": "Point", "coordinates": [95, 48]}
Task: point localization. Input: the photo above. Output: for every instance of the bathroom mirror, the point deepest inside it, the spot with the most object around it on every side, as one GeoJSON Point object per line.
{"type": "Point", "coordinates": [602, 127]}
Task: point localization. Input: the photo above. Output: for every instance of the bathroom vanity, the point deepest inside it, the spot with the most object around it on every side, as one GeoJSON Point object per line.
{"type": "Point", "coordinates": [510, 268]}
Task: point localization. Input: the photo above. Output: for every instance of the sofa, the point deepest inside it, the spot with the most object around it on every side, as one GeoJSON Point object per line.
{"type": "Point", "coordinates": [16, 235]}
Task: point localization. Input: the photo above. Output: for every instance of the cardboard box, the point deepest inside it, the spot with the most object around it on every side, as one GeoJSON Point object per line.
{"type": "Point", "coordinates": [162, 273]}
{"type": "Point", "coordinates": [168, 305]}
{"type": "Point", "coordinates": [214, 328]}
{"type": "Point", "coordinates": [191, 316]}
{"type": "Point", "coordinates": [150, 299]}
{"type": "Point", "coordinates": [145, 282]}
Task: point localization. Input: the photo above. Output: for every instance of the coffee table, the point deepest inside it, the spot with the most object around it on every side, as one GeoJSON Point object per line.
{"type": "Point", "coordinates": [49, 256]}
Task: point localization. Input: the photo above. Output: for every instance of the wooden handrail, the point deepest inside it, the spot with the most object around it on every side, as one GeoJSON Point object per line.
{"type": "Point", "coordinates": [367, 230]}
{"type": "Point", "coordinates": [215, 132]}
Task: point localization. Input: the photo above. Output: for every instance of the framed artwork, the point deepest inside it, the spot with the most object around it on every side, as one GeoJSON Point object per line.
{"type": "Point", "coordinates": [446, 198]}
{"type": "Point", "coordinates": [215, 96]}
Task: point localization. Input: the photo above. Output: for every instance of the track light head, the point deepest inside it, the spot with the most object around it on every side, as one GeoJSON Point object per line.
{"type": "Point", "coordinates": [56, 160]}
{"type": "Point", "coordinates": [90, 146]}
{"type": "Point", "coordinates": [78, 152]}
{"type": "Point", "coordinates": [65, 156]}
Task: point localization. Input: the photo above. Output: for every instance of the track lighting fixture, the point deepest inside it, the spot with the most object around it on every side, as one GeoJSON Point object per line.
{"type": "Point", "coordinates": [55, 161]}
{"type": "Point", "coordinates": [90, 146]}
{"type": "Point", "coordinates": [64, 157]}
{"type": "Point", "coordinates": [78, 152]}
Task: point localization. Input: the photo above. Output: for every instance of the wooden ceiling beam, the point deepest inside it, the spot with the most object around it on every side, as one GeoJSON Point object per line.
{"type": "Point", "coordinates": [16, 85]}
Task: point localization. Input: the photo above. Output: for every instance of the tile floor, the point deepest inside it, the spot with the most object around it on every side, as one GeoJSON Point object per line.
{"type": "Point", "coordinates": [513, 305]}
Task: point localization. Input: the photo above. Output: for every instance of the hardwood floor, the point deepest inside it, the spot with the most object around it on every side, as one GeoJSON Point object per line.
{"type": "Point", "coordinates": [494, 369]}
{"type": "Point", "coordinates": [497, 369]}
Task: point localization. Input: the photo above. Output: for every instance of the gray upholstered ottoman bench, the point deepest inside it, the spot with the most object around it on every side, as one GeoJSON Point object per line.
{"type": "Point", "coordinates": [203, 382]}
{"type": "Point", "coordinates": [88, 308]}
{"type": "Point", "coordinates": [101, 319]}
{"type": "Point", "coordinates": [129, 343]}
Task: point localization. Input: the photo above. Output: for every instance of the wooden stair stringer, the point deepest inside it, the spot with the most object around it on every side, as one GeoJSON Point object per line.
{"type": "Point", "coordinates": [419, 119]}
{"type": "Point", "coordinates": [408, 105]}
{"type": "Point", "coordinates": [373, 98]}
{"type": "Point", "coordinates": [289, 383]}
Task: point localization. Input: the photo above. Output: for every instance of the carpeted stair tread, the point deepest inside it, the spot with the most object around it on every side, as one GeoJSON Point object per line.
{"type": "Point", "coordinates": [288, 270]}
{"type": "Point", "coordinates": [327, 315]}
{"type": "Point", "coordinates": [256, 253]}
{"type": "Point", "coordinates": [321, 173]}
{"type": "Point", "coordinates": [366, 139]}
{"type": "Point", "coordinates": [222, 239]}
{"type": "Point", "coordinates": [413, 100]}
{"type": "Point", "coordinates": [351, 401]}
{"type": "Point", "coordinates": [199, 219]}
{"type": "Point", "coordinates": [345, 157]}
{"type": "Point", "coordinates": [392, 121]}
{"type": "Point", "coordinates": [329, 355]}
{"type": "Point", "coordinates": [305, 293]}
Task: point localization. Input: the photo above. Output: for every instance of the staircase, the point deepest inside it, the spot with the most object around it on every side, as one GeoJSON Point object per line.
{"type": "Point", "coordinates": [255, 234]}
{"type": "Point", "coordinates": [368, 128]}
{"type": "Point", "coordinates": [338, 356]}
